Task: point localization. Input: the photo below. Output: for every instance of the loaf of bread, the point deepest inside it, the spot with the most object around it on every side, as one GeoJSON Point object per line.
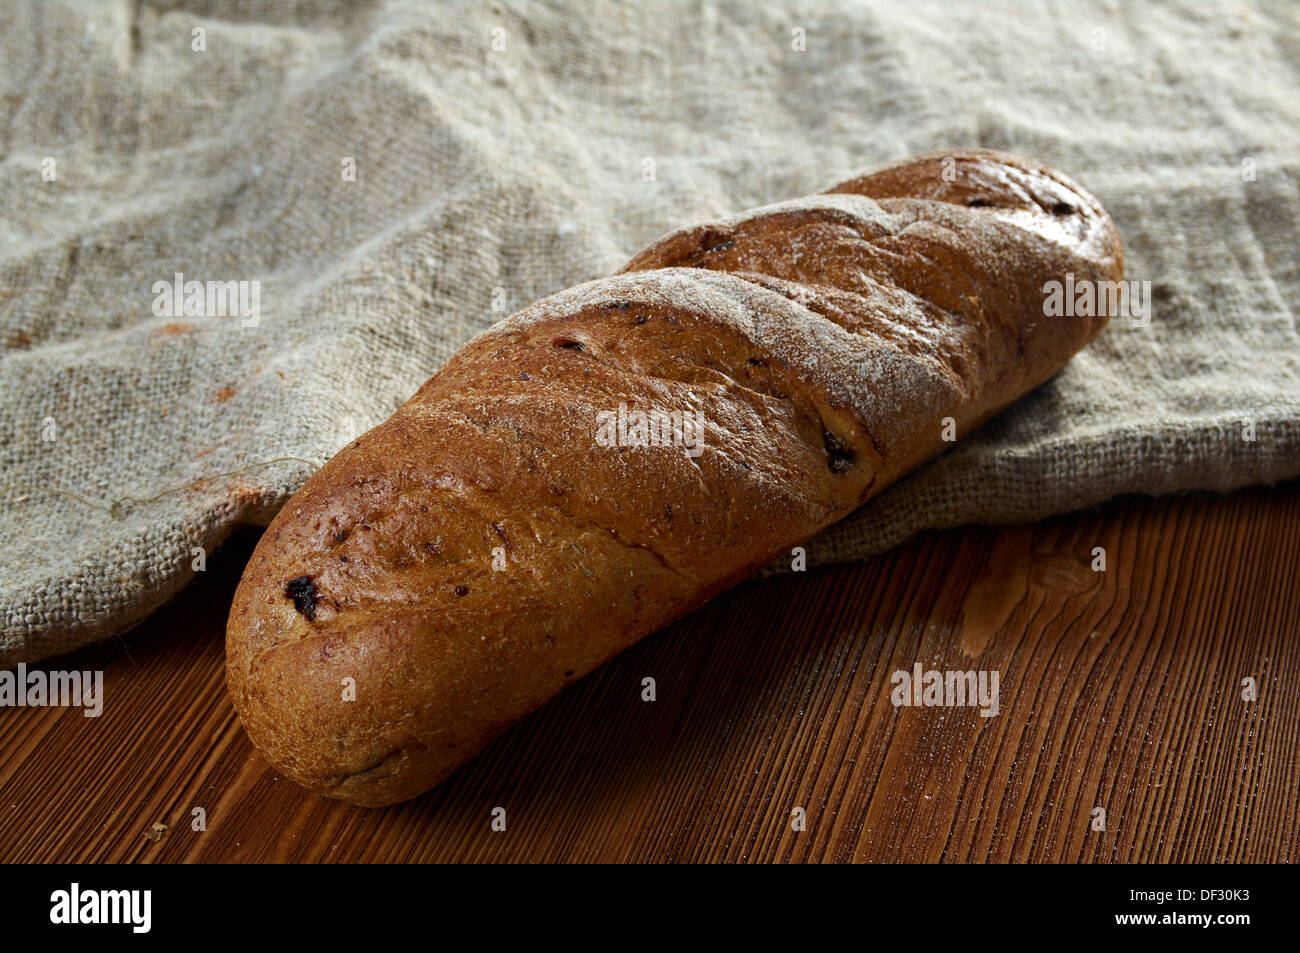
{"type": "Point", "coordinates": [607, 459]}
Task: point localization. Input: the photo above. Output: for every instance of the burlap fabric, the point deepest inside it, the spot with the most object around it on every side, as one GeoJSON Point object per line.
{"type": "Point", "coordinates": [395, 177]}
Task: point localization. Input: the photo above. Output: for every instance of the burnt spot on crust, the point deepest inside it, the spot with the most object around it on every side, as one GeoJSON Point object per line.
{"type": "Point", "coordinates": [303, 593]}
{"type": "Point", "coordinates": [1063, 208]}
{"type": "Point", "coordinates": [838, 457]}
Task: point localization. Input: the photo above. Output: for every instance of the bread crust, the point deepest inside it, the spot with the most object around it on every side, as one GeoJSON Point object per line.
{"type": "Point", "coordinates": [822, 342]}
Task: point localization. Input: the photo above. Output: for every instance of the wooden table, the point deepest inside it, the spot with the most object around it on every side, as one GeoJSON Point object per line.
{"type": "Point", "coordinates": [1119, 690]}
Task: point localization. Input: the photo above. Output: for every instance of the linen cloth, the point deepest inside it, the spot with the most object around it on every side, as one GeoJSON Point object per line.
{"type": "Point", "coordinates": [395, 177]}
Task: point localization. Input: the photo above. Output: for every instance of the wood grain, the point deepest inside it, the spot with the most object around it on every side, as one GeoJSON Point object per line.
{"type": "Point", "coordinates": [1119, 689]}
